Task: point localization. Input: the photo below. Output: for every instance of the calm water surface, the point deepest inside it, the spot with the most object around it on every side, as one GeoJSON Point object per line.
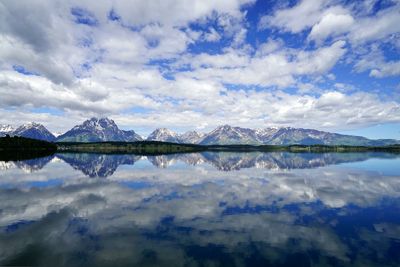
{"type": "Point", "coordinates": [208, 209]}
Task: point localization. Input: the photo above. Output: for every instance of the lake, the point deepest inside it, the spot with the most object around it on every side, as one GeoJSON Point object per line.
{"type": "Point", "coordinates": [201, 209]}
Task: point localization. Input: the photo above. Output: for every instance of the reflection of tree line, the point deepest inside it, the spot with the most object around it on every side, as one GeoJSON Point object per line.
{"type": "Point", "coordinates": [103, 165]}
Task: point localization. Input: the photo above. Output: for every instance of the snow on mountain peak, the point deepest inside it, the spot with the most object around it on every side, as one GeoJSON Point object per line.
{"type": "Point", "coordinates": [6, 128]}
{"type": "Point", "coordinates": [98, 129]}
{"type": "Point", "coordinates": [163, 134]}
{"type": "Point", "coordinates": [32, 125]}
{"type": "Point", "coordinates": [97, 124]}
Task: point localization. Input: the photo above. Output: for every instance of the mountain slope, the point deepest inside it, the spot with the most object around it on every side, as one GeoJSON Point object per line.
{"type": "Point", "coordinates": [164, 135]}
{"type": "Point", "coordinates": [286, 136]}
{"type": "Point", "coordinates": [191, 137]}
{"type": "Point", "coordinates": [225, 135]}
{"type": "Point", "coordinates": [97, 130]}
{"type": "Point", "coordinates": [35, 131]}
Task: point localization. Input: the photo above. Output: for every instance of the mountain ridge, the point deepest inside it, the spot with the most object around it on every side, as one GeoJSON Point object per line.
{"type": "Point", "coordinates": [98, 129]}
{"type": "Point", "coordinates": [105, 129]}
{"type": "Point", "coordinates": [30, 130]}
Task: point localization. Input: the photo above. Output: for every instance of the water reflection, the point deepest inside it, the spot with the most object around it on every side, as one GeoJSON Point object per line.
{"type": "Point", "coordinates": [274, 210]}
{"type": "Point", "coordinates": [30, 165]}
{"type": "Point", "coordinates": [103, 165]}
{"type": "Point", "coordinates": [95, 165]}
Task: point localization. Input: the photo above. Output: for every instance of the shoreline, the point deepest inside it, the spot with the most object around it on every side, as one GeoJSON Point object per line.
{"type": "Point", "coordinates": [20, 148]}
{"type": "Point", "coordinates": [149, 147]}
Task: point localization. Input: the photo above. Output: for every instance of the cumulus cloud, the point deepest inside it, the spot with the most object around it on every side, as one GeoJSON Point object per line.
{"type": "Point", "coordinates": [326, 18]}
{"type": "Point", "coordinates": [295, 19]}
{"type": "Point", "coordinates": [355, 23]}
{"type": "Point", "coordinates": [374, 28]}
{"type": "Point", "coordinates": [374, 61]}
{"type": "Point", "coordinates": [331, 24]}
{"type": "Point", "coordinates": [67, 60]}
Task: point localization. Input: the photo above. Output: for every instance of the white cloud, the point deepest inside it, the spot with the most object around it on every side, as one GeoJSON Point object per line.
{"type": "Point", "coordinates": [142, 61]}
{"type": "Point", "coordinates": [331, 24]}
{"type": "Point", "coordinates": [212, 36]}
{"type": "Point", "coordinates": [377, 27]}
{"type": "Point", "coordinates": [295, 19]}
{"type": "Point", "coordinates": [270, 67]}
{"type": "Point", "coordinates": [384, 69]}
{"type": "Point", "coordinates": [354, 23]}
{"type": "Point", "coordinates": [325, 19]}
{"type": "Point", "coordinates": [374, 61]}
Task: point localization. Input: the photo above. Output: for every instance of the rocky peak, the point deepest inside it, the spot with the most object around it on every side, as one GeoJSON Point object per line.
{"type": "Point", "coordinates": [98, 129]}
{"type": "Point", "coordinates": [192, 137]}
{"type": "Point", "coordinates": [225, 127]}
{"type": "Point", "coordinates": [34, 130]}
{"type": "Point", "coordinates": [98, 124]}
{"type": "Point", "coordinates": [163, 134]}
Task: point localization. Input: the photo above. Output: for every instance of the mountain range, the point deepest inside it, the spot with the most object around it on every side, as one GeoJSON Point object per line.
{"type": "Point", "coordinates": [104, 129]}
{"type": "Point", "coordinates": [30, 130]}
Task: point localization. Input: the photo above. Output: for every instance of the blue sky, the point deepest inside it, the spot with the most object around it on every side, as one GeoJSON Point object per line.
{"type": "Point", "coordinates": [328, 65]}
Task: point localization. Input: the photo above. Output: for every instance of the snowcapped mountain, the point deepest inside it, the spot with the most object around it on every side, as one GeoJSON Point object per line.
{"type": "Point", "coordinates": [227, 134]}
{"type": "Point", "coordinates": [104, 129]}
{"type": "Point", "coordinates": [6, 129]}
{"type": "Point", "coordinates": [97, 130]}
{"type": "Point", "coordinates": [289, 135]}
{"type": "Point", "coordinates": [191, 137]}
{"type": "Point", "coordinates": [164, 135]}
{"type": "Point", "coordinates": [35, 131]}
{"type": "Point", "coordinates": [264, 135]}
{"type": "Point", "coordinates": [286, 136]}
{"type": "Point", "coordinates": [57, 134]}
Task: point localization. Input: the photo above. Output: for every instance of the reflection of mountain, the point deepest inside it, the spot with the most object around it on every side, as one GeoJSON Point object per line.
{"type": "Point", "coordinates": [283, 160]}
{"type": "Point", "coordinates": [163, 161]}
{"type": "Point", "coordinates": [292, 218]}
{"type": "Point", "coordinates": [97, 165]}
{"type": "Point", "coordinates": [5, 165]}
{"type": "Point", "coordinates": [32, 165]}
{"type": "Point", "coordinates": [227, 161]}
{"type": "Point", "coordinates": [103, 165]}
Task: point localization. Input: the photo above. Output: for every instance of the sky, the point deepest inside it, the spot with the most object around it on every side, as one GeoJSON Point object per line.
{"type": "Point", "coordinates": [194, 65]}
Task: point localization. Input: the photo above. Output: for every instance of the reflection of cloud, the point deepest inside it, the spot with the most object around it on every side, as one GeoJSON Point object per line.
{"type": "Point", "coordinates": [115, 218]}
{"type": "Point", "coordinates": [109, 209]}
{"type": "Point", "coordinates": [167, 211]}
